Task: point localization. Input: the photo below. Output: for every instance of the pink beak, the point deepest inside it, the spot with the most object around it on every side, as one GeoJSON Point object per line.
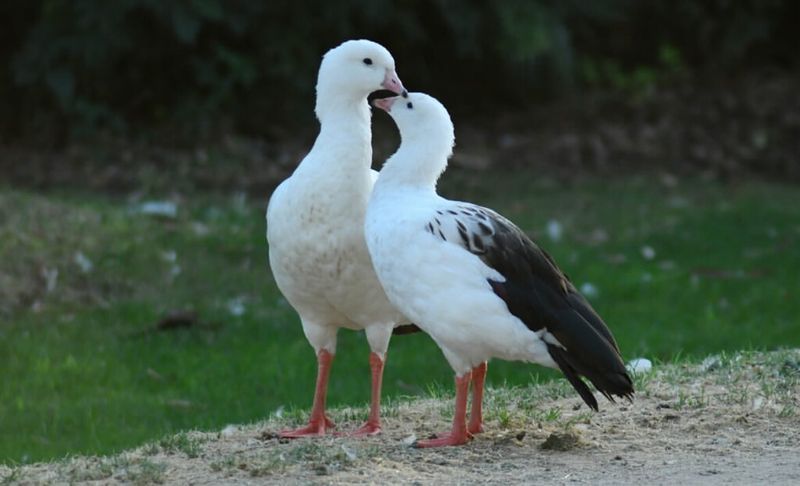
{"type": "Point", "coordinates": [385, 104]}
{"type": "Point", "coordinates": [392, 82]}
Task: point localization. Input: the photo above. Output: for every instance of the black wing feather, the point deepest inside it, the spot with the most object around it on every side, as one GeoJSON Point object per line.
{"type": "Point", "coordinates": [540, 295]}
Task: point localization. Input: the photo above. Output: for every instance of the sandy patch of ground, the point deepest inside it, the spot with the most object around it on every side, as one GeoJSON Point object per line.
{"type": "Point", "coordinates": [729, 420]}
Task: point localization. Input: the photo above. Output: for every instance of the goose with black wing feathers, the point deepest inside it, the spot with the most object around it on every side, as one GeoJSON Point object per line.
{"type": "Point", "coordinates": [474, 281]}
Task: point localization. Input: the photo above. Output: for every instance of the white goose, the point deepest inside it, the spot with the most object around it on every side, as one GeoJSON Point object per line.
{"type": "Point", "coordinates": [315, 224]}
{"type": "Point", "coordinates": [473, 280]}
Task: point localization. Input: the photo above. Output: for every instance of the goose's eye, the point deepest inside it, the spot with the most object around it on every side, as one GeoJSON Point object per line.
{"type": "Point", "coordinates": [410, 105]}
{"type": "Point", "coordinates": [368, 61]}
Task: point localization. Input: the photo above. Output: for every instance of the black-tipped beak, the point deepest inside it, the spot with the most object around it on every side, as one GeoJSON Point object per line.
{"type": "Point", "coordinates": [392, 82]}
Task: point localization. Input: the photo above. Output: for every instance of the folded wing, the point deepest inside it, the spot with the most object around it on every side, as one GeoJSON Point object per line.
{"type": "Point", "coordinates": [538, 293]}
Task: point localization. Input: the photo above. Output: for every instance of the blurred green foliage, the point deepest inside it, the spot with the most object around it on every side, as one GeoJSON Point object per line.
{"type": "Point", "coordinates": [199, 67]}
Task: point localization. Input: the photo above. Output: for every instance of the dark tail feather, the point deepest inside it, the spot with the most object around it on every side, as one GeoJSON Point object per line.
{"type": "Point", "coordinates": [609, 380]}
{"type": "Point", "coordinates": [615, 383]}
{"type": "Point", "coordinates": [558, 356]}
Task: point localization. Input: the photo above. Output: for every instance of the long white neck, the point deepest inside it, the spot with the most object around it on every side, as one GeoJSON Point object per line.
{"type": "Point", "coordinates": [345, 136]}
{"type": "Point", "coordinates": [333, 100]}
{"type": "Point", "coordinates": [417, 164]}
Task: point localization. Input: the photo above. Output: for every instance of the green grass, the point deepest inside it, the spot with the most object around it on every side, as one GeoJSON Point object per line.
{"type": "Point", "coordinates": [83, 371]}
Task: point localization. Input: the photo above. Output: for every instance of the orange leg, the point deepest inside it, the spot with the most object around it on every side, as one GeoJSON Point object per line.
{"type": "Point", "coordinates": [373, 425]}
{"type": "Point", "coordinates": [475, 414]}
{"type": "Point", "coordinates": [317, 422]}
{"type": "Point", "coordinates": [459, 434]}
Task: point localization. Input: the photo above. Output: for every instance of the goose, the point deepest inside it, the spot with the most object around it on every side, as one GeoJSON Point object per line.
{"type": "Point", "coordinates": [315, 225]}
{"type": "Point", "coordinates": [472, 280]}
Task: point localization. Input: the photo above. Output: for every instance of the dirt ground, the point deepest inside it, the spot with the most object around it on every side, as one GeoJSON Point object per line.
{"type": "Point", "coordinates": [728, 420]}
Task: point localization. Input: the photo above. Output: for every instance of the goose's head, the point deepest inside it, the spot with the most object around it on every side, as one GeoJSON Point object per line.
{"type": "Point", "coordinates": [353, 70]}
{"type": "Point", "coordinates": [421, 119]}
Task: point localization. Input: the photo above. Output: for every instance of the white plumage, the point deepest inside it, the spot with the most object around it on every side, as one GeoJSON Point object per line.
{"type": "Point", "coordinates": [471, 279]}
{"type": "Point", "coordinates": [315, 223]}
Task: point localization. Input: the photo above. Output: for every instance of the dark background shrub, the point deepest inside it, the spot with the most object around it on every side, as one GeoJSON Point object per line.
{"type": "Point", "coordinates": [183, 69]}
